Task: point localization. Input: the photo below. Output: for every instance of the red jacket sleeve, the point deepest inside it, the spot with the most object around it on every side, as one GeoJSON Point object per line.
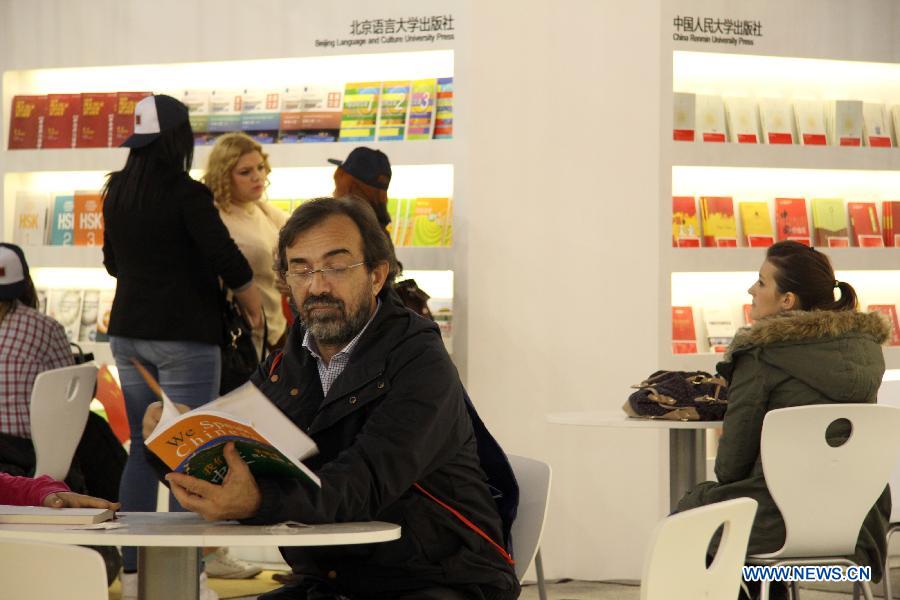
{"type": "Point", "coordinates": [25, 491]}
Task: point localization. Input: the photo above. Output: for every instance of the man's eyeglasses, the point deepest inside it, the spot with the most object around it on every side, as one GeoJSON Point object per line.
{"type": "Point", "coordinates": [335, 274]}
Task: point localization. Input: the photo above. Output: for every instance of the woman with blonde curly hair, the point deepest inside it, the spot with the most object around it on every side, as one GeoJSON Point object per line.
{"type": "Point", "coordinates": [237, 172]}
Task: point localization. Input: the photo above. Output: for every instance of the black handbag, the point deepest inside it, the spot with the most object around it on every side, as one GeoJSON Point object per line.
{"type": "Point", "coordinates": [679, 396]}
{"type": "Point", "coordinates": [239, 356]}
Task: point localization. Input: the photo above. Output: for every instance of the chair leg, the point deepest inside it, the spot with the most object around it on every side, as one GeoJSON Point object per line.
{"type": "Point", "coordinates": [867, 590]}
{"type": "Point", "coordinates": [795, 590]}
{"type": "Point", "coordinates": [539, 570]}
{"type": "Point", "coordinates": [886, 578]}
{"type": "Point", "coordinates": [764, 590]}
{"type": "Point", "coordinates": [856, 591]}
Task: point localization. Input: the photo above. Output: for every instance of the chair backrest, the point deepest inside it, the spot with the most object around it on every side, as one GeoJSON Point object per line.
{"type": "Point", "coordinates": [675, 564]}
{"type": "Point", "coordinates": [534, 495]}
{"type": "Point", "coordinates": [45, 570]}
{"type": "Point", "coordinates": [825, 492]}
{"type": "Point", "coordinates": [889, 394]}
{"type": "Point", "coordinates": [60, 401]}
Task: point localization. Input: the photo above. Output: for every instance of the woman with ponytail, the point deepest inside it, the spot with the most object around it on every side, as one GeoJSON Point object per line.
{"type": "Point", "coordinates": [808, 345]}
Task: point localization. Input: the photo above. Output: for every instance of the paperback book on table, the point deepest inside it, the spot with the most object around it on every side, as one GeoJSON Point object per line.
{"type": "Point", "coordinates": [791, 220]}
{"type": "Point", "coordinates": [54, 516]}
{"type": "Point", "coordinates": [684, 107]}
{"type": "Point", "coordinates": [710, 118]}
{"type": "Point", "coordinates": [193, 443]}
{"type": "Point", "coordinates": [742, 116]}
{"type": "Point", "coordinates": [26, 122]}
{"type": "Point", "coordinates": [830, 222]}
{"type": "Point", "coordinates": [685, 226]}
{"type": "Point", "coordinates": [756, 224]}
{"type": "Point", "coordinates": [719, 226]}
{"type": "Point", "coordinates": [811, 129]}
{"type": "Point", "coordinates": [864, 225]}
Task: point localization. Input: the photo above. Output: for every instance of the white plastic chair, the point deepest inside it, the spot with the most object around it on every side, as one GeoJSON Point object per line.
{"type": "Point", "coordinates": [824, 492]}
{"type": "Point", "coordinates": [60, 401]}
{"type": "Point", "coordinates": [44, 570]}
{"type": "Point", "coordinates": [533, 477]}
{"type": "Point", "coordinates": [889, 394]}
{"type": "Point", "coordinates": [675, 565]}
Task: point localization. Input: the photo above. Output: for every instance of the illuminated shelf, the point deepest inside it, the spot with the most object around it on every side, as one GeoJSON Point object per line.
{"type": "Point", "coordinates": [706, 361]}
{"type": "Point", "coordinates": [426, 259]}
{"type": "Point", "coordinates": [784, 156]}
{"type": "Point", "coordinates": [711, 260]}
{"type": "Point", "coordinates": [426, 152]}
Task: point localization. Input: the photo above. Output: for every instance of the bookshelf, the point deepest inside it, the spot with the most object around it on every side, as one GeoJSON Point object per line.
{"type": "Point", "coordinates": [778, 64]}
{"type": "Point", "coordinates": [421, 168]}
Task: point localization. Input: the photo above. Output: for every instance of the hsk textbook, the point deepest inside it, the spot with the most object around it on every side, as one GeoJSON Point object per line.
{"type": "Point", "coordinates": [193, 443]}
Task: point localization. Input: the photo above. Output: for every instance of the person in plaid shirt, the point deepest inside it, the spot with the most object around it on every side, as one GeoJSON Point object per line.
{"type": "Point", "coordinates": [30, 342]}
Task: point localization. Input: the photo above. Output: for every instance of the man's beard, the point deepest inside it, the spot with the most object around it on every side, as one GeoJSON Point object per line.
{"type": "Point", "coordinates": [335, 330]}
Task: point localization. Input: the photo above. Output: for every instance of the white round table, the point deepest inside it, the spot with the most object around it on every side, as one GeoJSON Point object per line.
{"type": "Point", "coordinates": [169, 543]}
{"type": "Point", "coordinates": [687, 443]}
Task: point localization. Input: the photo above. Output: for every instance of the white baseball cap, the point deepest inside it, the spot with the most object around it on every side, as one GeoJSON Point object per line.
{"type": "Point", "coordinates": [13, 272]}
{"type": "Point", "coordinates": [152, 116]}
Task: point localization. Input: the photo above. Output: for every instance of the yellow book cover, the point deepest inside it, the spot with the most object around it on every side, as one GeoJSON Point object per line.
{"type": "Point", "coordinates": [427, 222]}
{"type": "Point", "coordinates": [757, 225]}
{"type": "Point", "coordinates": [719, 226]}
{"type": "Point", "coordinates": [360, 112]}
{"type": "Point", "coordinates": [830, 222]}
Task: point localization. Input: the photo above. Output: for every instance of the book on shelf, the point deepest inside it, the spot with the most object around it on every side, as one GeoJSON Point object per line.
{"type": "Point", "coordinates": [710, 118]}
{"type": "Point", "coordinates": [104, 310]}
{"type": "Point", "coordinates": [742, 116]}
{"type": "Point", "coordinates": [420, 124]}
{"type": "Point", "coordinates": [399, 218]}
{"type": "Point", "coordinates": [260, 115]}
{"type": "Point", "coordinates": [95, 125]}
{"type": "Point", "coordinates": [54, 516]}
{"type": "Point", "coordinates": [26, 122]}
{"type": "Point", "coordinates": [684, 116]}
{"type": "Point", "coordinates": [776, 120]}
{"type": "Point", "coordinates": [193, 442]}
{"type": "Point", "coordinates": [360, 112]}
{"type": "Point", "coordinates": [311, 113]}
{"type": "Point", "coordinates": [428, 219]}
{"type": "Point", "coordinates": [890, 217]}
{"type": "Point", "coordinates": [225, 108]}
{"type": "Point", "coordinates": [756, 224]}
{"type": "Point", "coordinates": [830, 222]}
{"type": "Point", "coordinates": [393, 108]}
{"type": "Point", "coordinates": [90, 308]}
{"type": "Point", "coordinates": [41, 299]}
{"type": "Point", "coordinates": [864, 225]}
{"type": "Point", "coordinates": [845, 119]}
{"type": "Point", "coordinates": [811, 129]}
{"type": "Point", "coordinates": [87, 208]}
{"type": "Point", "coordinates": [876, 126]}
{"type": "Point", "coordinates": [62, 220]}
{"type": "Point", "coordinates": [717, 221]}
{"type": "Point", "coordinates": [747, 312]}
{"type": "Point", "coordinates": [685, 227]}
{"type": "Point", "coordinates": [64, 305]}
{"type": "Point", "coordinates": [894, 116]}
{"type": "Point", "coordinates": [30, 219]}
{"type": "Point", "coordinates": [684, 336]}
{"type": "Point", "coordinates": [791, 220]}
{"type": "Point", "coordinates": [197, 102]}
{"type": "Point", "coordinates": [123, 117]}
{"type": "Point", "coordinates": [890, 313]}
{"type": "Point", "coordinates": [719, 328]}
{"type": "Point", "coordinates": [443, 109]}
{"type": "Point", "coordinates": [61, 122]}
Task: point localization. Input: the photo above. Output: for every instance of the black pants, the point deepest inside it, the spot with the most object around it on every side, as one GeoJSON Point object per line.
{"type": "Point", "coordinates": [301, 591]}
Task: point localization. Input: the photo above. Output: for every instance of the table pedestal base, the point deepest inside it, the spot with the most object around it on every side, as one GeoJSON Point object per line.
{"type": "Point", "coordinates": [168, 572]}
{"type": "Point", "coordinates": [687, 462]}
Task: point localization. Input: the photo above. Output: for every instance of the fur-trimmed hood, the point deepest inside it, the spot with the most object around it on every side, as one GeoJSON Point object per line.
{"type": "Point", "coordinates": [837, 353]}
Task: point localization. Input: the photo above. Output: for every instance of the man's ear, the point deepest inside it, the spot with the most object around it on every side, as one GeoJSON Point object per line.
{"type": "Point", "coordinates": [379, 276]}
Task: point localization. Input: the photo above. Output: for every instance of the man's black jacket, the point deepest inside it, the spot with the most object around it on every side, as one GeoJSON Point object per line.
{"type": "Point", "coordinates": [395, 417]}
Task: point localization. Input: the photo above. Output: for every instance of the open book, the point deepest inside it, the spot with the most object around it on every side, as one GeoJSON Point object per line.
{"type": "Point", "coordinates": [56, 516]}
{"type": "Point", "coordinates": [193, 443]}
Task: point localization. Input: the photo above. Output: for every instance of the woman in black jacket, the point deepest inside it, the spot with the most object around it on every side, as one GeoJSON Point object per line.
{"type": "Point", "coordinates": [167, 246]}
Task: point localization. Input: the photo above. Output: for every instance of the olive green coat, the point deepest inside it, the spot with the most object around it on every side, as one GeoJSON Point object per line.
{"type": "Point", "coordinates": [794, 358]}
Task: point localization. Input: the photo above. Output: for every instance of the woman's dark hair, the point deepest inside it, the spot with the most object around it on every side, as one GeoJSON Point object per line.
{"type": "Point", "coordinates": [377, 246]}
{"type": "Point", "coordinates": [149, 169]}
{"type": "Point", "coordinates": [807, 273]}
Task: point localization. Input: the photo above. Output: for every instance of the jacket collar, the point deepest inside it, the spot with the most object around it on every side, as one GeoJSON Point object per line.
{"type": "Point", "coordinates": [800, 325]}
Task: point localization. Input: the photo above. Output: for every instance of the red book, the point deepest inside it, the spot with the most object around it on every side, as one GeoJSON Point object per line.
{"type": "Point", "coordinates": [719, 225]}
{"type": "Point", "coordinates": [684, 337]}
{"type": "Point", "coordinates": [123, 118]}
{"type": "Point", "coordinates": [864, 223]}
{"type": "Point", "coordinates": [890, 215]}
{"type": "Point", "coordinates": [88, 215]}
{"type": "Point", "coordinates": [685, 227]}
{"type": "Point", "coordinates": [791, 220]}
{"type": "Point", "coordinates": [95, 123]}
{"type": "Point", "coordinates": [890, 311]}
{"type": "Point", "coordinates": [27, 121]}
{"type": "Point", "coordinates": [61, 120]}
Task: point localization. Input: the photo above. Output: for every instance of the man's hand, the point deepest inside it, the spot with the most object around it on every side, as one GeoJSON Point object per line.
{"type": "Point", "coordinates": [153, 414]}
{"type": "Point", "coordinates": [73, 500]}
{"type": "Point", "coordinates": [237, 498]}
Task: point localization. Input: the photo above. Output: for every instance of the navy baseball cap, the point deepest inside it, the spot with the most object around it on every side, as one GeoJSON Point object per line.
{"type": "Point", "coordinates": [372, 167]}
{"type": "Point", "coordinates": [152, 116]}
{"type": "Point", "coordinates": [13, 272]}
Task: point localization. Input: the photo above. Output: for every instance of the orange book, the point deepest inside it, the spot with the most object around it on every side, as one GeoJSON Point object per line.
{"type": "Point", "coordinates": [26, 122]}
{"type": "Point", "coordinates": [61, 121]}
{"type": "Point", "coordinates": [123, 117]}
{"type": "Point", "coordinates": [890, 311]}
{"type": "Point", "coordinates": [685, 227]}
{"type": "Point", "coordinates": [684, 336]}
{"type": "Point", "coordinates": [88, 214]}
{"type": "Point", "coordinates": [719, 226]}
{"type": "Point", "coordinates": [791, 220]}
{"type": "Point", "coordinates": [864, 223]}
{"type": "Point", "coordinates": [95, 123]}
